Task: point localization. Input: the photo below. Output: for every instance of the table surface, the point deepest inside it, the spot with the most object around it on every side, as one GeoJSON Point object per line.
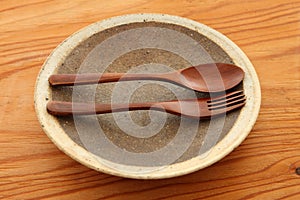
{"type": "Point", "coordinates": [263, 166]}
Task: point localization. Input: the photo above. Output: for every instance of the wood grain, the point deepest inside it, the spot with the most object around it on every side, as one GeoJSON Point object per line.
{"type": "Point", "coordinates": [263, 167]}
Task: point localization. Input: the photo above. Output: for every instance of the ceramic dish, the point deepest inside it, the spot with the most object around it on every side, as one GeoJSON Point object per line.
{"type": "Point", "coordinates": [143, 144]}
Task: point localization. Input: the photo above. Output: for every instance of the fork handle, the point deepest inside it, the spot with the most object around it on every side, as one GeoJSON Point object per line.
{"type": "Point", "coordinates": [93, 78]}
{"type": "Point", "coordinates": [61, 108]}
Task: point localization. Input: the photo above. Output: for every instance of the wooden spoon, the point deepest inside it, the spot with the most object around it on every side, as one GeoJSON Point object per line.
{"type": "Point", "coordinates": [212, 77]}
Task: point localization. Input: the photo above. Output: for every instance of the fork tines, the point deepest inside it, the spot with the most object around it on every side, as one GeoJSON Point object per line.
{"type": "Point", "coordinates": [229, 101]}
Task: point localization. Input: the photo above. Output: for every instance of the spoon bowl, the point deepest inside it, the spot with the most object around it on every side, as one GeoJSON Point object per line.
{"type": "Point", "coordinates": [212, 77]}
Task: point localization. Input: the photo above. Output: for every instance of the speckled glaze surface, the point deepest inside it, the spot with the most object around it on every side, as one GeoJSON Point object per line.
{"type": "Point", "coordinates": [69, 56]}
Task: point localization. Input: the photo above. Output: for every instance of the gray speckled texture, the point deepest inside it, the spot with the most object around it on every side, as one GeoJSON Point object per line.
{"type": "Point", "coordinates": [149, 92]}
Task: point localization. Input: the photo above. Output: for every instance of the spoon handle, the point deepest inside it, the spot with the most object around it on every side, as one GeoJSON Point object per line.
{"type": "Point", "coordinates": [61, 108]}
{"type": "Point", "coordinates": [93, 78]}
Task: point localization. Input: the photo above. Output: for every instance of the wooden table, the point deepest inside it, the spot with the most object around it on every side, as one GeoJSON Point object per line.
{"type": "Point", "coordinates": [263, 167]}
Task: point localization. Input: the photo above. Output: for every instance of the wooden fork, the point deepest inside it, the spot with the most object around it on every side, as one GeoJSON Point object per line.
{"type": "Point", "coordinates": [195, 108]}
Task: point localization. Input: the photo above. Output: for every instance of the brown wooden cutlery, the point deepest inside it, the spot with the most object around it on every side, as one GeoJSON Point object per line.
{"type": "Point", "coordinates": [213, 77]}
{"type": "Point", "coordinates": [195, 108]}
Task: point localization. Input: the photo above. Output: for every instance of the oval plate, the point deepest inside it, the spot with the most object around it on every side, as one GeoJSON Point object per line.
{"type": "Point", "coordinates": [132, 144]}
